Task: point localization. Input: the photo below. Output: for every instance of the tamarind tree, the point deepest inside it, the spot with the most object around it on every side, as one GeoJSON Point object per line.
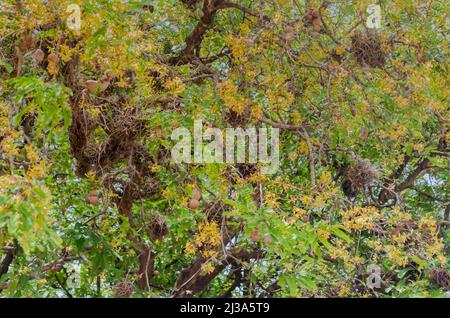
{"type": "Point", "coordinates": [93, 205]}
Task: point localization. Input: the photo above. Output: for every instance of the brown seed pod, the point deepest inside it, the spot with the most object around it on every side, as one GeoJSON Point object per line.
{"type": "Point", "coordinates": [196, 194]}
{"type": "Point", "coordinates": [92, 200]}
{"type": "Point", "coordinates": [316, 25]}
{"type": "Point", "coordinates": [194, 204]}
{"type": "Point", "coordinates": [91, 85]}
{"type": "Point", "coordinates": [53, 58]}
{"type": "Point", "coordinates": [27, 42]}
{"type": "Point", "coordinates": [104, 84]}
{"type": "Point", "coordinates": [363, 134]}
{"type": "Point", "coordinates": [255, 235]}
{"type": "Point", "coordinates": [267, 239]}
{"type": "Point", "coordinates": [39, 56]}
{"type": "Point", "coordinates": [93, 193]}
{"type": "Point", "coordinates": [308, 16]}
{"type": "Point", "coordinates": [288, 36]}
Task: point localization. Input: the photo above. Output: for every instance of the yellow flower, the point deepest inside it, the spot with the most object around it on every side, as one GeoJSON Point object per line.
{"type": "Point", "coordinates": [340, 50]}
{"type": "Point", "coordinates": [8, 144]}
{"type": "Point", "coordinates": [175, 86]}
{"type": "Point", "coordinates": [189, 249]}
{"type": "Point", "coordinates": [209, 234]}
{"type": "Point", "coordinates": [210, 254]}
{"type": "Point", "coordinates": [32, 153]}
{"type": "Point", "coordinates": [344, 290]}
{"type": "Point", "coordinates": [325, 178]}
{"type": "Point", "coordinates": [207, 268]}
{"type": "Point", "coordinates": [299, 213]}
{"type": "Point", "coordinates": [238, 47]}
{"type": "Point", "coordinates": [154, 167]}
{"type": "Point", "coordinates": [293, 156]}
{"type": "Point", "coordinates": [303, 147]}
{"type": "Point", "coordinates": [306, 200]}
{"type": "Point", "coordinates": [323, 234]}
{"type": "Point", "coordinates": [37, 170]}
{"type": "Point", "coordinates": [442, 259]}
{"type": "Point", "coordinates": [271, 200]}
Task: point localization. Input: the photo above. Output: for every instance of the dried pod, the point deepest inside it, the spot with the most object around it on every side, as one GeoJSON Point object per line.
{"type": "Point", "coordinates": [53, 58]}
{"type": "Point", "coordinates": [27, 42]}
{"type": "Point", "coordinates": [288, 36]}
{"type": "Point", "coordinates": [363, 134]}
{"type": "Point", "coordinates": [39, 56]}
{"type": "Point", "coordinates": [91, 85]}
{"type": "Point", "coordinates": [255, 235]}
{"type": "Point", "coordinates": [308, 16]}
{"type": "Point", "coordinates": [194, 204]}
{"type": "Point", "coordinates": [92, 200]}
{"type": "Point", "coordinates": [316, 25]}
{"type": "Point", "coordinates": [93, 193]}
{"type": "Point", "coordinates": [267, 239]}
{"type": "Point", "coordinates": [196, 194]}
{"type": "Point", "coordinates": [104, 84]}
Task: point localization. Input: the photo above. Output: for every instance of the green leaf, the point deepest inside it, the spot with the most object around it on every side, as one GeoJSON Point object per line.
{"type": "Point", "coordinates": [339, 233]}
{"type": "Point", "coordinates": [307, 283]}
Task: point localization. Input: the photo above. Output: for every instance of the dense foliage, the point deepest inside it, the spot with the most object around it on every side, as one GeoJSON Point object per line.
{"type": "Point", "coordinates": [93, 205]}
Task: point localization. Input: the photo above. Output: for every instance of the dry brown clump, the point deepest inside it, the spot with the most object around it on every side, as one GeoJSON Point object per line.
{"type": "Point", "coordinates": [39, 56]}
{"type": "Point", "coordinates": [191, 4]}
{"type": "Point", "coordinates": [441, 277]}
{"type": "Point", "coordinates": [235, 119]}
{"type": "Point", "coordinates": [360, 174]}
{"type": "Point", "coordinates": [367, 47]}
{"type": "Point", "coordinates": [157, 227]}
{"type": "Point", "coordinates": [214, 211]}
{"type": "Point", "coordinates": [123, 289]}
{"type": "Point", "coordinates": [246, 170]}
{"type": "Point", "coordinates": [123, 130]}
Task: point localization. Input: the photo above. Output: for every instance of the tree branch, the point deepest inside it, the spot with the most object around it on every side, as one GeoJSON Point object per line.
{"type": "Point", "coordinates": [192, 280]}
{"type": "Point", "coordinates": [4, 267]}
{"type": "Point", "coordinates": [423, 165]}
{"type": "Point", "coordinates": [229, 4]}
{"type": "Point", "coordinates": [194, 40]}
